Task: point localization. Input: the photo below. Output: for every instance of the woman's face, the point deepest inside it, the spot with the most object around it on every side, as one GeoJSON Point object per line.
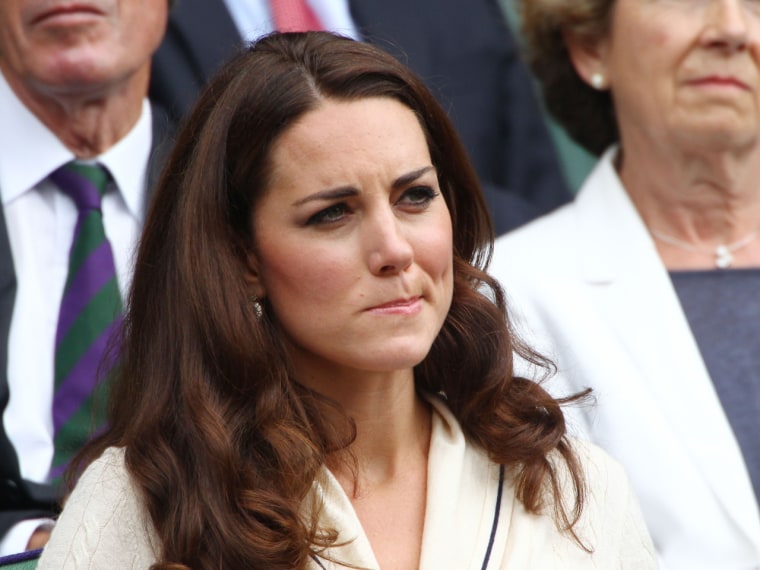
{"type": "Point", "coordinates": [354, 240]}
{"type": "Point", "coordinates": [685, 72]}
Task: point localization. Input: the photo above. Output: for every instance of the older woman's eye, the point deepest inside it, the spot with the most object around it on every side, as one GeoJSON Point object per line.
{"type": "Point", "coordinates": [329, 215]}
{"type": "Point", "coordinates": [418, 196]}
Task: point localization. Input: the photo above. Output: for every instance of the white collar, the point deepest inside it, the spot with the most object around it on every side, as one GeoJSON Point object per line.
{"type": "Point", "coordinates": [463, 485]}
{"type": "Point", "coordinates": [29, 152]}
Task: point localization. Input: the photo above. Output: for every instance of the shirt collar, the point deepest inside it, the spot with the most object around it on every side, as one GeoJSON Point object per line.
{"type": "Point", "coordinates": [127, 161]}
{"type": "Point", "coordinates": [29, 151]}
{"type": "Point", "coordinates": [22, 170]}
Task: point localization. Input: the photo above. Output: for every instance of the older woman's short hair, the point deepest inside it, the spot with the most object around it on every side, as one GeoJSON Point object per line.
{"type": "Point", "coordinates": [585, 113]}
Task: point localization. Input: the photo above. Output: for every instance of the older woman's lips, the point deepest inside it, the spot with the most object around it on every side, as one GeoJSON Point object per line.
{"type": "Point", "coordinates": [719, 81]}
{"type": "Point", "coordinates": [408, 306]}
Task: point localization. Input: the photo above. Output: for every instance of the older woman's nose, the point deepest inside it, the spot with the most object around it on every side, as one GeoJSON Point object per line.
{"type": "Point", "coordinates": [726, 25]}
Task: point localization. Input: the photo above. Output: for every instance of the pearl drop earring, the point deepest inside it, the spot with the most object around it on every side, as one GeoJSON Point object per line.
{"type": "Point", "coordinates": [597, 80]}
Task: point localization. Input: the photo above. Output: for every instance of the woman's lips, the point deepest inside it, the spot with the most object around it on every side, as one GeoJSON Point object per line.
{"type": "Point", "coordinates": [408, 306]}
{"type": "Point", "coordinates": [719, 81]}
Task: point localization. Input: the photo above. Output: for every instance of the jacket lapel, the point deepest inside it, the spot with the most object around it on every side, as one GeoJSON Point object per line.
{"type": "Point", "coordinates": [463, 486]}
{"type": "Point", "coordinates": [9, 467]}
{"type": "Point", "coordinates": [621, 266]}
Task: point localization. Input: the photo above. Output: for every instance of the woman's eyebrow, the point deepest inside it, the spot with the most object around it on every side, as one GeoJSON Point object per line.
{"type": "Point", "coordinates": [405, 179]}
{"type": "Point", "coordinates": [329, 194]}
{"type": "Point", "coordinates": [348, 191]}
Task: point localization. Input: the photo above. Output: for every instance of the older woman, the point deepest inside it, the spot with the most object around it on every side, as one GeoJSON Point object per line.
{"type": "Point", "coordinates": [646, 287]}
{"type": "Point", "coordinates": [315, 370]}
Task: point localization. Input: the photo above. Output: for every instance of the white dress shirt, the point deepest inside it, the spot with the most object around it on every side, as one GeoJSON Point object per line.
{"type": "Point", "coordinates": [41, 222]}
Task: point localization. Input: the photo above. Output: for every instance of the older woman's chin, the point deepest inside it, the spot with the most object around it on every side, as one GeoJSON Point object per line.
{"type": "Point", "coordinates": [718, 135]}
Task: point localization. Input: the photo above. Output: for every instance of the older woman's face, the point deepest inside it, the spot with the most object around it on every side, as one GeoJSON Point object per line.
{"type": "Point", "coordinates": [685, 71]}
{"type": "Point", "coordinates": [354, 239]}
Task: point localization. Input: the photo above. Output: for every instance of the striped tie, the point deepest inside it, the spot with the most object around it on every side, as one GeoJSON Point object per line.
{"type": "Point", "coordinates": [294, 16]}
{"type": "Point", "coordinates": [90, 312]}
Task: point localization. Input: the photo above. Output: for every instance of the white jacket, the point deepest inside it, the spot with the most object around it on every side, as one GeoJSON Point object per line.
{"type": "Point", "coordinates": [589, 289]}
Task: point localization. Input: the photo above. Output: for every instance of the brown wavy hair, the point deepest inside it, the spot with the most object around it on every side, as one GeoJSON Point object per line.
{"type": "Point", "coordinates": [220, 440]}
{"type": "Point", "coordinates": [587, 115]}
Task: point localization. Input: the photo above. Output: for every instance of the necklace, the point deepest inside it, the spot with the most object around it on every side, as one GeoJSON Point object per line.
{"type": "Point", "coordinates": [723, 253]}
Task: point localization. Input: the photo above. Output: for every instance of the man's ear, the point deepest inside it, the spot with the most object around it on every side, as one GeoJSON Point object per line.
{"type": "Point", "coordinates": [589, 58]}
{"type": "Point", "coordinates": [253, 276]}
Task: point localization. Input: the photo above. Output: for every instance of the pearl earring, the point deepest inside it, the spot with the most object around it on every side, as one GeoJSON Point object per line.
{"type": "Point", "coordinates": [597, 80]}
{"type": "Point", "coordinates": [255, 302]}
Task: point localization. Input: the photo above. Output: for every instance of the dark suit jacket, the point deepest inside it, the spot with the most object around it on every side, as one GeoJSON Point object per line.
{"type": "Point", "coordinates": [21, 499]}
{"type": "Point", "coordinates": [463, 49]}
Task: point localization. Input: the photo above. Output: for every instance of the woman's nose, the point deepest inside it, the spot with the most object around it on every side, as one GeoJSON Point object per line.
{"type": "Point", "coordinates": [388, 248]}
{"type": "Point", "coordinates": [726, 25]}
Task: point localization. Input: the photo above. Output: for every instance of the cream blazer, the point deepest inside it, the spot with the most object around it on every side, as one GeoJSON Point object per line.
{"type": "Point", "coordinates": [588, 288]}
{"type": "Point", "coordinates": [471, 516]}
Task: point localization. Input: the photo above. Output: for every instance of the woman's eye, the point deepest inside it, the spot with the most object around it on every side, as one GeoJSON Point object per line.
{"type": "Point", "coordinates": [329, 215]}
{"type": "Point", "coordinates": [418, 196]}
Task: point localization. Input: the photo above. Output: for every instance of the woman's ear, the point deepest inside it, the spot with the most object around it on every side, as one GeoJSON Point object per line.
{"type": "Point", "coordinates": [253, 276]}
{"type": "Point", "coordinates": [589, 58]}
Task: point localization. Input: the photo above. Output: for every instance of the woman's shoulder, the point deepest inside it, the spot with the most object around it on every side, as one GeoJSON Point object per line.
{"type": "Point", "coordinates": [597, 464]}
{"type": "Point", "coordinates": [611, 523]}
{"type": "Point", "coordinates": [111, 463]}
{"type": "Point", "coordinates": [606, 485]}
{"type": "Point", "coordinates": [103, 523]}
{"type": "Point", "coordinates": [554, 240]}
{"type": "Point", "coordinates": [609, 533]}
{"type": "Point", "coordinates": [106, 478]}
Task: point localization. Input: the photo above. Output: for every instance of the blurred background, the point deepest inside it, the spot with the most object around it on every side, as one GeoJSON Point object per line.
{"type": "Point", "coordinates": [576, 162]}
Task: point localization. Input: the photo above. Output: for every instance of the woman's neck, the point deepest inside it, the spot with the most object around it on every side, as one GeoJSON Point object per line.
{"type": "Point", "coordinates": [695, 200]}
{"type": "Point", "coordinates": [387, 482]}
{"type": "Point", "coordinates": [393, 425]}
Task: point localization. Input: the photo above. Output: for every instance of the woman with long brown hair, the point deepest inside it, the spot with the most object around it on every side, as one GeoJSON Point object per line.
{"type": "Point", "coordinates": [316, 370]}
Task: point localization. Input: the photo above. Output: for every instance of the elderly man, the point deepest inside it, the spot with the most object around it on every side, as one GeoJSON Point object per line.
{"type": "Point", "coordinates": [77, 143]}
